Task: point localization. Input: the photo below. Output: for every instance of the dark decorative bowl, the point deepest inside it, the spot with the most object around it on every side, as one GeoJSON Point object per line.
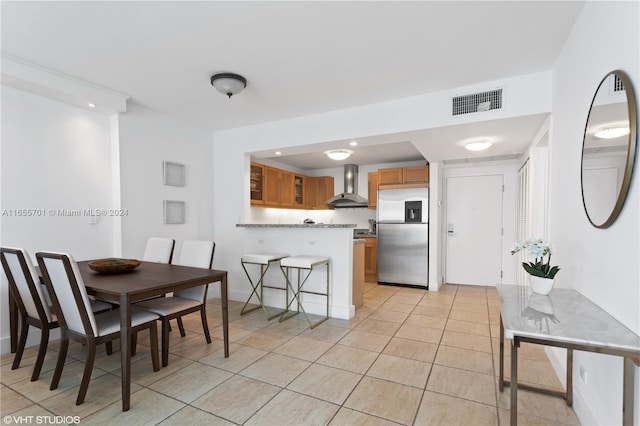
{"type": "Point", "coordinates": [114, 265]}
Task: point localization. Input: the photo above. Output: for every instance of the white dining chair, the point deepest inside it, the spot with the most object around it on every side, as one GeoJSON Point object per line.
{"type": "Point", "coordinates": [33, 302]}
{"type": "Point", "coordinates": [198, 254]}
{"type": "Point", "coordinates": [77, 321]}
{"type": "Point", "coordinates": [159, 250]}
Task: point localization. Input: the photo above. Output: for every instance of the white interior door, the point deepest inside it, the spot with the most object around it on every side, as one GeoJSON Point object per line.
{"type": "Point", "coordinates": [474, 230]}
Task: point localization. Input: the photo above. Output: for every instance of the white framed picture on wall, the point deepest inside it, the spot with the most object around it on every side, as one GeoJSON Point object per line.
{"type": "Point", "coordinates": [174, 211]}
{"type": "Point", "coordinates": [173, 174]}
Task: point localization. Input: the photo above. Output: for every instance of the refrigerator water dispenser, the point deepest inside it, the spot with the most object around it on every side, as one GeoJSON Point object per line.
{"type": "Point", "coordinates": [413, 211]}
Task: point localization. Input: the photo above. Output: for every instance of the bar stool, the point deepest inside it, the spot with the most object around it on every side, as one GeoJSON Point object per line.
{"type": "Point", "coordinates": [308, 263]}
{"type": "Point", "coordinates": [264, 260]}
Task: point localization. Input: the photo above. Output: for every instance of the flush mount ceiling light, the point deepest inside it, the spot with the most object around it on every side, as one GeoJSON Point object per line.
{"type": "Point", "coordinates": [353, 143]}
{"type": "Point", "coordinates": [228, 83]}
{"type": "Point", "coordinates": [612, 132]}
{"type": "Point", "coordinates": [339, 154]}
{"type": "Point", "coordinates": [478, 146]}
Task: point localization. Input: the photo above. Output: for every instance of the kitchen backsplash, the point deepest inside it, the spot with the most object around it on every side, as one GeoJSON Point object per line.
{"type": "Point", "coordinates": [359, 216]}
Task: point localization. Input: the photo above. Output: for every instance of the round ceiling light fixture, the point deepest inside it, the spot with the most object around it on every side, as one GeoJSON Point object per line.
{"type": "Point", "coordinates": [339, 154]}
{"type": "Point", "coordinates": [228, 83]}
{"type": "Point", "coordinates": [478, 146]}
{"type": "Point", "coordinates": [612, 132]}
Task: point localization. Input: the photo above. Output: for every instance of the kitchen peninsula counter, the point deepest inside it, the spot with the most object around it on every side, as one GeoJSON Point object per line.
{"type": "Point", "coordinates": [296, 225]}
{"type": "Point", "coordinates": [333, 240]}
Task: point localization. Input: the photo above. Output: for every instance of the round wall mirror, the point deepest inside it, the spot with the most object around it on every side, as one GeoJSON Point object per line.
{"type": "Point", "coordinates": [608, 149]}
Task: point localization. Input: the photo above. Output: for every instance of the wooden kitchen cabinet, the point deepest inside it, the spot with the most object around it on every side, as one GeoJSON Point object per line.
{"type": "Point", "coordinates": [358, 275]}
{"type": "Point", "coordinates": [403, 177]}
{"type": "Point", "coordinates": [256, 182]}
{"type": "Point", "coordinates": [371, 259]}
{"type": "Point", "coordinates": [299, 191]}
{"type": "Point", "coordinates": [419, 174]}
{"type": "Point", "coordinates": [373, 189]}
{"type": "Point", "coordinates": [272, 195]}
{"type": "Point", "coordinates": [310, 185]}
{"type": "Point", "coordinates": [273, 187]}
{"type": "Point", "coordinates": [286, 188]}
{"type": "Point", "coordinates": [324, 191]}
{"type": "Point", "coordinates": [392, 176]}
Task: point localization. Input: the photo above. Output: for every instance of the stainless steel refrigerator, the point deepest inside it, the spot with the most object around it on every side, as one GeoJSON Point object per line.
{"type": "Point", "coordinates": [403, 236]}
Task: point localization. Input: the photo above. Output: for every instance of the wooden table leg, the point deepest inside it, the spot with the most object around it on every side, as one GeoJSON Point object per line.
{"type": "Point", "coordinates": [125, 351]}
{"type": "Point", "coordinates": [13, 322]}
{"type": "Point", "coordinates": [514, 381]}
{"type": "Point", "coordinates": [225, 315]}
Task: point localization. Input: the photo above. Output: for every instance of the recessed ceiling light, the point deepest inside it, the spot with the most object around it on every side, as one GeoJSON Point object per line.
{"type": "Point", "coordinates": [612, 132]}
{"type": "Point", "coordinates": [278, 153]}
{"type": "Point", "coordinates": [339, 154]}
{"type": "Point", "coordinates": [353, 143]}
{"type": "Point", "coordinates": [478, 146]}
{"type": "Point", "coordinates": [90, 105]}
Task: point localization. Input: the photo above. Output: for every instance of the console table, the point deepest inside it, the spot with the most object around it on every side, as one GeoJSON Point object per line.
{"type": "Point", "coordinates": [565, 319]}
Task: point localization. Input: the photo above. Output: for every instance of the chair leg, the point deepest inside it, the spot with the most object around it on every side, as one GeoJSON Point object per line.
{"type": "Point", "coordinates": [134, 342]}
{"type": "Point", "coordinates": [62, 356]}
{"type": "Point", "coordinates": [205, 324]}
{"type": "Point", "coordinates": [21, 343]}
{"type": "Point", "coordinates": [42, 351]}
{"type": "Point", "coordinates": [153, 331]}
{"type": "Point", "coordinates": [109, 347]}
{"type": "Point", "coordinates": [88, 368]}
{"type": "Point", "coordinates": [165, 341]}
{"type": "Point", "coordinates": [181, 326]}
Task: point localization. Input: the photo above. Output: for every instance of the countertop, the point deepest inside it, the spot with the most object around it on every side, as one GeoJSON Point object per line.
{"type": "Point", "coordinates": [363, 233]}
{"type": "Point", "coordinates": [296, 225]}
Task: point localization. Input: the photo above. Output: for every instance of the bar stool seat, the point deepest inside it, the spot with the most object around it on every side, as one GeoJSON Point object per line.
{"type": "Point", "coordinates": [264, 260]}
{"type": "Point", "coordinates": [309, 263]}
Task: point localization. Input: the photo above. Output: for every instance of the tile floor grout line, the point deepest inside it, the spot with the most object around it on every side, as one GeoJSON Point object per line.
{"type": "Point", "coordinates": [353, 326]}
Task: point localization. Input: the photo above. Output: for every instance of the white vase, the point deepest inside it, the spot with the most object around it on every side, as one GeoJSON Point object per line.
{"type": "Point", "coordinates": [540, 285]}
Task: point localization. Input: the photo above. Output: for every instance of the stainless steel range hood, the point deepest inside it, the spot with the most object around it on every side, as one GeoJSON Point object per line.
{"type": "Point", "coordinates": [349, 198]}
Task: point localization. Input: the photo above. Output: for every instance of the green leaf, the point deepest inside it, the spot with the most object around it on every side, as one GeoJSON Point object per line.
{"type": "Point", "coordinates": [553, 271]}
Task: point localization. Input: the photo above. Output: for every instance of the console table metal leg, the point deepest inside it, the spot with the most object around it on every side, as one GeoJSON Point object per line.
{"type": "Point", "coordinates": [501, 378]}
{"type": "Point", "coordinates": [569, 394]}
{"type": "Point", "coordinates": [514, 381]}
{"type": "Point", "coordinates": [628, 397]}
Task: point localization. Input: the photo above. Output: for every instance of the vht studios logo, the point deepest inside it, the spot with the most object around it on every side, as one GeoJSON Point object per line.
{"type": "Point", "coordinates": [41, 420]}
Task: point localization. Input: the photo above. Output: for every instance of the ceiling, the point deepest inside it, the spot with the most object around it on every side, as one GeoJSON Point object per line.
{"type": "Point", "coordinates": [299, 58]}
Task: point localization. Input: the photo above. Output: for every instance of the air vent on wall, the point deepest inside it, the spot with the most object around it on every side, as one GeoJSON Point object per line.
{"type": "Point", "coordinates": [477, 102]}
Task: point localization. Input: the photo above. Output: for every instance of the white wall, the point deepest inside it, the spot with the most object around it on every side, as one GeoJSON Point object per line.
{"type": "Point", "coordinates": [54, 156]}
{"type": "Point", "coordinates": [600, 263]}
{"type": "Point", "coordinates": [148, 138]}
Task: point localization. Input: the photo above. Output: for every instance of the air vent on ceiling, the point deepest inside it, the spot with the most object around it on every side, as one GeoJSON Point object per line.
{"type": "Point", "coordinates": [618, 85]}
{"type": "Point", "coordinates": [477, 102]}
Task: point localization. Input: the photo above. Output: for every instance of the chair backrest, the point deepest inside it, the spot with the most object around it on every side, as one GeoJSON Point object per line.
{"type": "Point", "coordinates": [25, 284]}
{"type": "Point", "coordinates": [159, 250]}
{"type": "Point", "coordinates": [198, 254]}
{"type": "Point", "coordinates": [68, 293]}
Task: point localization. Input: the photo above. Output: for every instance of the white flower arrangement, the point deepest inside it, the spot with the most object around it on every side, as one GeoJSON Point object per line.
{"type": "Point", "coordinates": [538, 249]}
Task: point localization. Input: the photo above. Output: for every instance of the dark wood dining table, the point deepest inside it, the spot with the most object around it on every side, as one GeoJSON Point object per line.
{"type": "Point", "coordinates": [148, 280]}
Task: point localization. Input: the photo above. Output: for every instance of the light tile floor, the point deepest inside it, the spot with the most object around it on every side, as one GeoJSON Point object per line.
{"type": "Point", "coordinates": [408, 357]}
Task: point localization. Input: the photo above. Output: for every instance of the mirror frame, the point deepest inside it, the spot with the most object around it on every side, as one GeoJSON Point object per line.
{"type": "Point", "coordinates": [631, 149]}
